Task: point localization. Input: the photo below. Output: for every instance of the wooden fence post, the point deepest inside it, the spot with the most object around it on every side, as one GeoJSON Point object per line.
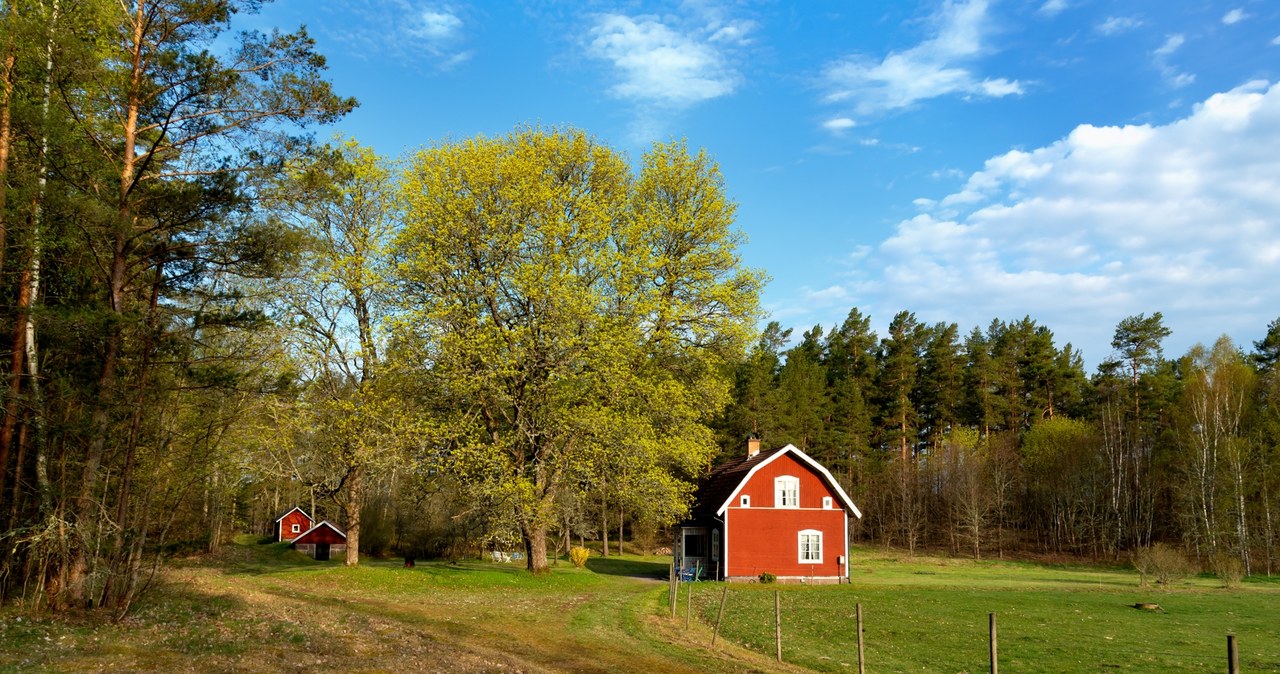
{"type": "Point", "coordinates": [688, 606]}
{"type": "Point", "coordinates": [862, 668]}
{"type": "Point", "coordinates": [1233, 655]}
{"type": "Point", "coordinates": [777, 621]}
{"type": "Point", "coordinates": [995, 661]}
{"type": "Point", "coordinates": [719, 616]}
{"type": "Point", "coordinates": [673, 591]}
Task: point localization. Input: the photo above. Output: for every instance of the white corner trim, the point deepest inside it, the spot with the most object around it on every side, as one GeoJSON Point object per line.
{"type": "Point", "coordinates": [844, 498]}
{"type": "Point", "coordinates": [304, 514]}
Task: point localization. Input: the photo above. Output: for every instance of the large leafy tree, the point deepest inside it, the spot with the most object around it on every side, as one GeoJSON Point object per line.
{"type": "Point", "coordinates": [564, 312]}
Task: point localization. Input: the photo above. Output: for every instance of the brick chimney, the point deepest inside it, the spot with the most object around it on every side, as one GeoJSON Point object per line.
{"type": "Point", "coordinates": [753, 445]}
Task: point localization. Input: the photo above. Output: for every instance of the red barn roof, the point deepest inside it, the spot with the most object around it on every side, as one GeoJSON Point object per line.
{"type": "Point", "coordinates": [321, 533]}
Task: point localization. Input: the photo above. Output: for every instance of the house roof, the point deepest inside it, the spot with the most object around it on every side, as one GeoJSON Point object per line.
{"type": "Point", "coordinates": [286, 514]}
{"type": "Point", "coordinates": [321, 523]}
{"type": "Point", "coordinates": [717, 491]}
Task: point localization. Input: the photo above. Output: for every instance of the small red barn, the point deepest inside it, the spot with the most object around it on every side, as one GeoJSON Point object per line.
{"type": "Point", "coordinates": [321, 540]}
{"type": "Point", "coordinates": [292, 524]}
{"type": "Point", "coordinates": [777, 511]}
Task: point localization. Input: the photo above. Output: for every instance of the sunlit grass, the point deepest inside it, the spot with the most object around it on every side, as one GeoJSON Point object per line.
{"type": "Point", "coordinates": [931, 614]}
{"type": "Point", "coordinates": [258, 607]}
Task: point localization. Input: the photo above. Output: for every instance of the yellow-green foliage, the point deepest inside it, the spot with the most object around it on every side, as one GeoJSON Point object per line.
{"type": "Point", "coordinates": [579, 556]}
{"type": "Point", "coordinates": [578, 320]}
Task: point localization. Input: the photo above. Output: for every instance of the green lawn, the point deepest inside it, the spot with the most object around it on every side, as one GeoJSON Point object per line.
{"type": "Point", "coordinates": [932, 615]}
{"type": "Point", "coordinates": [264, 608]}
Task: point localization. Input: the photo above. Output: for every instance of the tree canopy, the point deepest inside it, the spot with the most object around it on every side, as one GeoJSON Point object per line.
{"type": "Point", "coordinates": [578, 322]}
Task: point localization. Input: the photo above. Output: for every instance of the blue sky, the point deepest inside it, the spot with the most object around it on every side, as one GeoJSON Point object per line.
{"type": "Point", "coordinates": [1077, 161]}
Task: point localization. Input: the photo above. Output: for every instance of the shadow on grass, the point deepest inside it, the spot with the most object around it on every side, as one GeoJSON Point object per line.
{"type": "Point", "coordinates": [635, 568]}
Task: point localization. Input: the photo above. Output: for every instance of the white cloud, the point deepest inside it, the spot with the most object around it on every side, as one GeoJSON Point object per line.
{"type": "Point", "coordinates": [1052, 8]}
{"type": "Point", "coordinates": [1114, 25]}
{"type": "Point", "coordinates": [435, 26]}
{"type": "Point", "coordinates": [1105, 223]}
{"type": "Point", "coordinates": [1171, 44]}
{"type": "Point", "coordinates": [658, 64]}
{"type": "Point", "coordinates": [1175, 77]}
{"type": "Point", "coordinates": [933, 68]}
{"type": "Point", "coordinates": [1234, 16]}
{"type": "Point", "coordinates": [433, 34]}
{"type": "Point", "coordinates": [839, 124]}
{"type": "Point", "coordinates": [1275, 41]}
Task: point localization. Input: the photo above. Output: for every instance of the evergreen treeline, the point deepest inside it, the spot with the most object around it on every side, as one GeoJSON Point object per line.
{"type": "Point", "coordinates": [997, 440]}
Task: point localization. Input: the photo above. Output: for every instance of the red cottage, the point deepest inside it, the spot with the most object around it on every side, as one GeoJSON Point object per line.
{"type": "Point", "coordinates": [292, 524]}
{"type": "Point", "coordinates": [777, 512]}
{"type": "Point", "coordinates": [318, 541]}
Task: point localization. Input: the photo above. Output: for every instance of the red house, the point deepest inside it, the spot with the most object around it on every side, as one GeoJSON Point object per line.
{"type": "Point", "coordinates": [292, 524]}
{"type": "Point", "coordinates": [320, 540]}
{"type": "Point", "coordinates": [777, 512]}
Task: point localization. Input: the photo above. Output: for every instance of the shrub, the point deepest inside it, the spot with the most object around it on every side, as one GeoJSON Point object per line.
{"type": "Point", "coordinates": [767, 577]}
{"type": "Point", "coordinates": [579, 556]}
{"type": "Point", "coordinates": [1165, 562]}
{"type": "Point", "coordinates": [1228, 569]}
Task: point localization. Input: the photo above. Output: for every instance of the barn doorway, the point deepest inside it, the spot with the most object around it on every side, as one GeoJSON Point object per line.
{"type": "Point", "coordinates": [692, 548]}
{"type": "Point", "coordinates": [322, 552]}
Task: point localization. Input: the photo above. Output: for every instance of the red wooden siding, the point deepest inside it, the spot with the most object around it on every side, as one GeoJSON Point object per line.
{"type": "Point", "coordinates": [286, 525]}
{"type": "Point", "coordinates": [764, 538]}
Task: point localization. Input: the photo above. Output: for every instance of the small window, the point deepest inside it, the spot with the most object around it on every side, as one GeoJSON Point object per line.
{"type": "Point", "coordinates": [715, 545]}
{"type": "Point", "coordinates": [826, 503]}
{"type": "Point", "coordinates": [296, 528]}
{"type": "Point", "coordinates": [810, 546]}
{"type": "Point", "coordinates": [786, 492]}
{"type": "Point", "coordinates": [746, 501]}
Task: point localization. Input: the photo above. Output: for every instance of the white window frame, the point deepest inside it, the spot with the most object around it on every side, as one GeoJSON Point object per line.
{"type": "Point", "coordinates": [786, 491]}
{"type": "Point", "coordinates": [827, 503]}
{"type": "Point", "coordinates": [814, 537]}
{"type": "Point", "coordinates": [295, 528]}
{"type": "Point", "coordinates": [745, 501]}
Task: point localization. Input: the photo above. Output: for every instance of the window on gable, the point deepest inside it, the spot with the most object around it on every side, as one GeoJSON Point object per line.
{"type": "Point", "coordinates": [786, 492]}
{"type": "Point", "coordinates": [810, 546]}
{"type": "Point", "coordinates": [826, 503]}
{"type": "Point", "coordinates": [296, 528]}
{"type": "Point", "coordinates": [745, 501]}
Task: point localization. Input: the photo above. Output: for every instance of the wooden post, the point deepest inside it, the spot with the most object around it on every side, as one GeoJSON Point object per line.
{"type": "Point", "coordinates": [1233, 656]}
{"type": "Point", "coordinates": [862, 668]}
{"type": "Point", "coordinates": [673, 590]}
{"type": "Point", "coordinates": [995, 661]}
{"type": "Point", "coordinates": [719, 616]}
{"type": "Point", "coordinates": [777, 621]}
{"type": "Point", "coordinates": [688, 606]}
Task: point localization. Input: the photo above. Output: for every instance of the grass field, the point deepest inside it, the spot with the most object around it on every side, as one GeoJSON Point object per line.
{"type": "Point", "coordinates": [264, 608]}
{"type": "Point", "coordinates": [932, 615]}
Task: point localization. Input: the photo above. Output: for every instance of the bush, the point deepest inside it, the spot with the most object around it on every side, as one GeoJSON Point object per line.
{"type": "Point", "coordinates": [1166, 563]}
{"type": "Point", "coordinates": [579, 556]}
{"type": "Point", "coordinates": [767, 577]}
{"type": "Point", "coordinates": [1228, 569]}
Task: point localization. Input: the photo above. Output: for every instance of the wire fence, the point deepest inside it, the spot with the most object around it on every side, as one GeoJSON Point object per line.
{"type": "Point", "coordinates": [832, 629]}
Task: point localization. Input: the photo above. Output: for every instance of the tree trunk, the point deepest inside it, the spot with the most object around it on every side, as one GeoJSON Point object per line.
{"type": "Point", "coordinates": [604, 526]}
{"type": "Point", "coordinates": [355, 499]}
{"type": "Point", "coordinates": [535, 546]}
